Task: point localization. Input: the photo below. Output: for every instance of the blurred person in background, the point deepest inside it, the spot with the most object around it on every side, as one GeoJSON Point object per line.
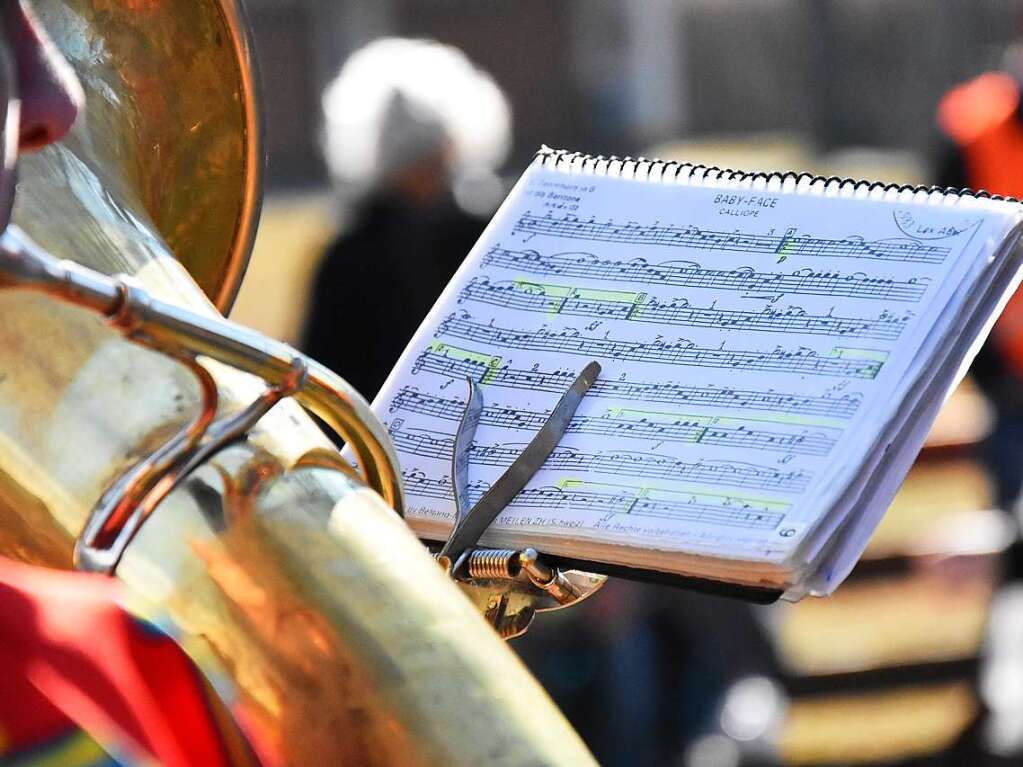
{"type": "Point", "coordinates": [413, 135]}
{"type": "Point", "coordinates": [982, 121]}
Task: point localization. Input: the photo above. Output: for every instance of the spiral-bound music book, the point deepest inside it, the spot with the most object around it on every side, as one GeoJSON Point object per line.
{"type": "Point", "coordinates": [774, 348]}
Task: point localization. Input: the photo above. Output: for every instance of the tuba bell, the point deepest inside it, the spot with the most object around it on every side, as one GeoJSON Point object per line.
{"type": "Point", "coordinates": [144, 435]}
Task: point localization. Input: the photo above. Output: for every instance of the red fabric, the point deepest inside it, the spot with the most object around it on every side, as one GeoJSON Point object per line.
{"type": "Point", "coordinates": [70, 656]}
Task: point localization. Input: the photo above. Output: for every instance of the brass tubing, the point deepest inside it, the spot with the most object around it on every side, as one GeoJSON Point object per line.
{"type": "Point", "coordinates": [325, 393]}
{"type": "Point", "coordinates": [164, 325]}
{"type": "Point", "coordinates": [23, 264]}
{"type": "Point", "coordinates": [352, 644]}
{"type": "Point", "coordinates": [124, 495]}
{"type": "Point", "coordinates": [347, 642]}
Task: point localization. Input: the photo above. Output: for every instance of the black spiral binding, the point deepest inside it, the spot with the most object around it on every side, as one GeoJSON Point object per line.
{"type": "Point", "coordinates": [559, 159]}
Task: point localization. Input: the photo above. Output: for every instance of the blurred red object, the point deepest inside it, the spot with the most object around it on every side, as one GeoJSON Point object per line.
{"type": "Point", "coordinates": [72, 660]}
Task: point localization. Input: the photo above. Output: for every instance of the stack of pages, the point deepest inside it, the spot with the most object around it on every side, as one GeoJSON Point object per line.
{"type": "Point", "coordinates": [773, 348]}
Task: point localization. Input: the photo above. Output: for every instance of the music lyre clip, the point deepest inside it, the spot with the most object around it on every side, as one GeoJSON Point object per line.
{"type": "Point", "coordinates": [510, 586]}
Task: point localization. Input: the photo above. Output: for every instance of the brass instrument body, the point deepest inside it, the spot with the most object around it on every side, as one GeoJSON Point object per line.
{"type": "Point", "coordinates": [346, 641]}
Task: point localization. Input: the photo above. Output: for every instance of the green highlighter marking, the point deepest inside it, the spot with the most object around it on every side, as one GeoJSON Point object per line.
{"type": "Point", "coordinates": [701, 494]}
{"type": "Point", "coordinates": [491, 362]}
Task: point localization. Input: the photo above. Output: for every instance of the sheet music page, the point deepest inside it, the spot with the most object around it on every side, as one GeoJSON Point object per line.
{"type": "Point", "coordinates": [752, 343]}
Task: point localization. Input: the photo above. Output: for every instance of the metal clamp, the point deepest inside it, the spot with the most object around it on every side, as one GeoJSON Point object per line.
{"type": "Point", "coordinates": [510, 586]}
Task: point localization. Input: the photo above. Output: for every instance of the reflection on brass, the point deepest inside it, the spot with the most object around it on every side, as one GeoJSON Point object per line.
{"type": "Point", "coordinates": [170, 129]}
{"type": "Point", "coordinates": [346, 641]}
{"type": "Point", "coordinates": [182, 335]}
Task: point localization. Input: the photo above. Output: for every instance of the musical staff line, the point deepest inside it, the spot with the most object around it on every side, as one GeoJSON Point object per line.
{"type": "Point", "coordinates": [689, 274]}
{"type": "Point", "coordinates": [785, 245]}
{"type": "Point", "coordinates": [446, 360]}
{"type": "Point", "coordinates": [426, 444]}
{"type": "Point", "coordinates": [640, 307]}
{"type": "Point", "coordinates": [845, 363]}
{"type": "Point", "coordinates": [686, 429]}
{"type": "Point", "coordinates": [731, 511]}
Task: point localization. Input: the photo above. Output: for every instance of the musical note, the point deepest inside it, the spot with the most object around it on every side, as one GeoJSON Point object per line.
{"type": "Point", "coordinates": [679, 352]}
{"type": "Point", "coordinates": [426, 444]}
{"type": "Point", "coordinates": [733, 511]}
{"type": "Point", "coordinates": [447, 360]}
{"type": "Point", "coordinates": [639, 307]}
{"type": "Point", "coordinates": [692, 275]}
{"type": "Point", "coordinates": [690, 429]}
{"type": "Point", "coordinates": [788, 244]}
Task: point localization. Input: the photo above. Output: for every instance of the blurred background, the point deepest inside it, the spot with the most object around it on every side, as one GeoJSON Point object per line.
{"type": "Point", "coordinates": [918, 659]}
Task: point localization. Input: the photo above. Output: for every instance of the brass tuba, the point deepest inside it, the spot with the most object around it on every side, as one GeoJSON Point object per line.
{"type": "Point", "coordinates": [146, 443]}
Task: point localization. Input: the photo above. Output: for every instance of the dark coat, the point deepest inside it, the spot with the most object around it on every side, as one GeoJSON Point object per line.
{"type": "Point", "coordinates": [377, 282]}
